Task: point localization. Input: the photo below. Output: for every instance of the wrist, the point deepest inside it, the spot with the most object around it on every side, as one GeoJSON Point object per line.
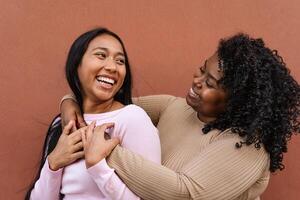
{"type": "Point", "coordinates": [91, 162]}
{"type": "Point", "coordinates": [52, 164]}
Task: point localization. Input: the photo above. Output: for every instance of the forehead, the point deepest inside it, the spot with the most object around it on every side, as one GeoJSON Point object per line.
{"type": "Point", "coordinates": [106, 41]}
{"type": "Point", "coordinates": [212, 65]}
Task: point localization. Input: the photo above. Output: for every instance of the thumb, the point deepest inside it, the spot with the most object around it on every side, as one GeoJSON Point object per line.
{"type": "Point", "coordinates": [113, 143]}
{"type": "Point", "coordinates": [74, 128]}
{"type": "Point", "coordinates": [68, 128]}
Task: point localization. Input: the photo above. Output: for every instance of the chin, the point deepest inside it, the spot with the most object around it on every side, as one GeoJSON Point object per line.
{"type": "Point", "coordinates": [187, 100]}
{"type": "Point", "coordinates": [104, 97]}
{"type": "Point", "coordinates": [191, 103]}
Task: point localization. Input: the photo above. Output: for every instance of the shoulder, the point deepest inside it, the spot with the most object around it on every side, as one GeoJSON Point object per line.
{"type": "Point", "coordinates": [155, 100]}
{"type": "Point", "coordinates": [159, 97]}
{"type": "Point", "coordinates": [134, 118]}
{"type": "Point", "coordinates": [133, 111]}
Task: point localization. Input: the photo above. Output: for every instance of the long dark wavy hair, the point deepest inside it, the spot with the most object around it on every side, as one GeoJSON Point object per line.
{"type": "Point", "coordinates": [74, 58]}
{"type": "Point", "coordinates": [263, 98]}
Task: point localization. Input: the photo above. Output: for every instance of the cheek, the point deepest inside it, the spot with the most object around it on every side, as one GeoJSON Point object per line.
{"type": "Point", "coordinates": [122, 74]}
{"type": "Point", "coordinates": [211, 96]}
{"type": "Point", "coordinates": [84, 76]}
{"type": "Point", "coordinates": [81, 74]}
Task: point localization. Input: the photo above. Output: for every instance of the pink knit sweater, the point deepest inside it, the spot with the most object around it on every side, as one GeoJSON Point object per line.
{"type": "Point", "coordinates": [136, 132]}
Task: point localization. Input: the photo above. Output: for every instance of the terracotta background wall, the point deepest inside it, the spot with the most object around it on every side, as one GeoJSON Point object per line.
{"type": "Point", "coordinates": [165, 39]}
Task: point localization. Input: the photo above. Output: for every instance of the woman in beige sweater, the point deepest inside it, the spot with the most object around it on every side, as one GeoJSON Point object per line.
{"type": "Point", "coordinates": [225, 138]}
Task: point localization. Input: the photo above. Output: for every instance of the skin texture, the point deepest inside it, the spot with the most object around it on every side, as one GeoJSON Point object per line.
{"type": "Point", "coordinates": [207, 97]}
{"type": "Point", "coordinates": [94, 143]}
{"type": "Point", "coordinates": [68, 148]}
{"type": "Point", "coordinates": [103, 57]}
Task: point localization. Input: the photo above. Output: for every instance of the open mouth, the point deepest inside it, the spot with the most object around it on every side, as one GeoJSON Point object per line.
{"type": "Point", "coordinates": [105, 80]}
{"type": "Point", "coordinates": [192, 93]}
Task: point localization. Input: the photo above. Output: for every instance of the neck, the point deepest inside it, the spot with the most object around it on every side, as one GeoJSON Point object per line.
{"type": "Point", "coordinates": [205, 119]}
{"type": "Point", "coordinates": [93, 107]}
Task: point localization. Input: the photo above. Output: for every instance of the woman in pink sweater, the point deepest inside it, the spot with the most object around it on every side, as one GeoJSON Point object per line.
{"type": "Point", "coordinates": [98, 72]}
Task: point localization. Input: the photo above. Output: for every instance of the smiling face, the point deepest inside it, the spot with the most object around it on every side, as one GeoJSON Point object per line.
{"type": "Point", "coordinates": [206, 96]}
{"type": "Point", "coordinates": [102, 69]}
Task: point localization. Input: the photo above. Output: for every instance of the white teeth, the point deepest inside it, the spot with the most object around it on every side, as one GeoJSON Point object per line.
{"type": "Point", "coordinates": [193, 93]}
{"type": "Point", "coordinates": [105, 79]}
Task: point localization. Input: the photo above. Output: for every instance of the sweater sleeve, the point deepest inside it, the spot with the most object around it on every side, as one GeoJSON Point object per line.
{"type": "Point", "coordinates": [154, 105]}
{"type": "Point", "coordinates": [109, 183]}
{"type": "Point", "coordinates": [139, 136]}
{"type": "Point", "coordinates": [220, 171]}
{"type": "Point", "coordinates": [48, 185]}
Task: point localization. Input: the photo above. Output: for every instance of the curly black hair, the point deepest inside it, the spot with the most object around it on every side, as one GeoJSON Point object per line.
{"type": "Point", "coordinates": [263, 98]}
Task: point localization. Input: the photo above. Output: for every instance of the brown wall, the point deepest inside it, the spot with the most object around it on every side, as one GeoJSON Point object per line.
{"type": "Point", "coordinates": [165, 41]}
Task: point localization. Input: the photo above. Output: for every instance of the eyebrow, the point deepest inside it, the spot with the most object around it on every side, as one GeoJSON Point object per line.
{"type": "Point", "coordinates": [210, 75]}
{"type": "Point", "coordinates": [106, 49]}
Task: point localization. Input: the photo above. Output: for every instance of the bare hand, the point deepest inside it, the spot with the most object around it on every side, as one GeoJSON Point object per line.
{"type": "Point", "coordinates": [69, 148]}
{"type": "Point", "coordinates": [71, 111]}
{"type": "Point", "coordinates": [96, 147]}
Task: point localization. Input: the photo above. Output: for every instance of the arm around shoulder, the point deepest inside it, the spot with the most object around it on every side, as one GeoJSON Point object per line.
{"type": "Point", "coordinates": [154, 105]}
{"type": "Point", "coordinates": [221, 171]}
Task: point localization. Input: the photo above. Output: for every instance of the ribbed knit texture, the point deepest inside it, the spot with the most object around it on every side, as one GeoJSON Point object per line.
{"type": "Point", "coordinates": [195, 165]}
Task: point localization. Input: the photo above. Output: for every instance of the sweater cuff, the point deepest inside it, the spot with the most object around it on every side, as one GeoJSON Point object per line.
{"type": "Point", "coordinates": [101, 169]}
{"type": "Point", "coordinates": [50, 172]}
{"type": "Point", "coordinates": [107, 181]}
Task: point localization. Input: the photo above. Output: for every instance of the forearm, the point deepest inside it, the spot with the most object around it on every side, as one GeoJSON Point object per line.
{"type": "Point", "coordinates": [147, 179]}
{"type": "Point", "coordinates": [154, 105]}
{"type": "Point", "coordinates": [109, 183]}
{"type": "Point", "coordinates": [219, 172]}
{"type": "Point", "coordinates": [48, 185]}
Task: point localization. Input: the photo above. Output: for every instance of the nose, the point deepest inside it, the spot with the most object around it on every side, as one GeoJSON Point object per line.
{"type": "Point", "coordinates": [198, 81]}
{"type": "Point", "coordinates": [110, 64]}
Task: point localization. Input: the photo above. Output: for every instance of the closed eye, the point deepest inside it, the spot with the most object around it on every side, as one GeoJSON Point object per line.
{"type": "Point", "coordinates": [120, 61]}
{"type": "Point", "coordinates": [100, 55]}
{"type": "Point", "coordinates": [209, 84]}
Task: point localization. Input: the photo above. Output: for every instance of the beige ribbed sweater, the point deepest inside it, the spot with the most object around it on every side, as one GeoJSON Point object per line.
{"type": "Point", "coordinates": [195, 165]}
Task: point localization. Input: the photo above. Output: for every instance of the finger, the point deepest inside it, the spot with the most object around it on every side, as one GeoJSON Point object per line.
{"type": "Point", "coordinates": [83, 128]}
{"type": "Point", "coordinates": [77, 147]}
{"type": "Point", "coordinates": [78, 155]}
{"type": "Point", "coordinates": [83, 137]}
{"type": "Point", "coordinates": [78, 131]}
{"type": "Point", "coordinates": [80, 121]}
{"type": "Point", "coordinates": [77, 137]}
{"type": "Point", "coordinates": [113, 143]}
{"type": "Point", "coordinates": [74, 128]}
{"type": "Point", "coordinates": [90, 130]}
{"type": "Point", "coordinates": [103, 127]}
{"type": "Point", "coordinates": [68, 128]}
